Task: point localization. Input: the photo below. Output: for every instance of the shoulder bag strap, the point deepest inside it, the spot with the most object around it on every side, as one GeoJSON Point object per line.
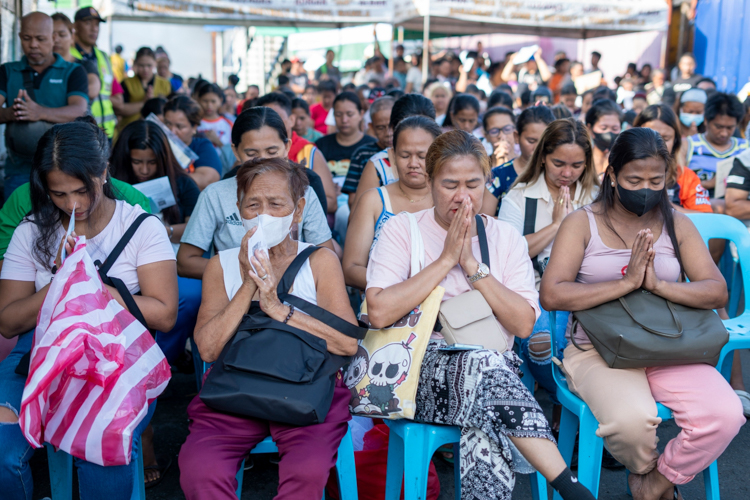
{"type": "Point", "coordinates": [115, 253]}
{"type": "Point", "coordinates": [529, 223]}
{"type": "Point", "coordinates": [417, 245]}
{"type": "Point", "coordinates": [317, 312]}
{"type": "Point", "coordinates": [483, 247]}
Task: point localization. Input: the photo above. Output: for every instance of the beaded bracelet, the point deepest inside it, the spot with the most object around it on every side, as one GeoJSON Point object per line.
{"type": "Point", "coordinates": [289, 316]}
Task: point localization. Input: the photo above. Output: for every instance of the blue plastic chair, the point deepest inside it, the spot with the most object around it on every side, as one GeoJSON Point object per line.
{"type": "Point", "coordinates": [717, 226]}
{"type": "Point", "coordinates": [577, 418]}
{"type": "Point", "coordinates": [410, 449]}
{"type": "Point", "coordinates": [61, 473]}
{"type": "Point", "coordinates": [346, 469]}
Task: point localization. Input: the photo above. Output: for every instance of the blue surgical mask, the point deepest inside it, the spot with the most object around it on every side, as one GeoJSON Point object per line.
{"type": "Point", "coordinates": [688, 119]}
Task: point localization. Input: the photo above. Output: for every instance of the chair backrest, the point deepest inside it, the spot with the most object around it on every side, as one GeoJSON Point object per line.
{"type": "Point", "coordinates": [718, 226]}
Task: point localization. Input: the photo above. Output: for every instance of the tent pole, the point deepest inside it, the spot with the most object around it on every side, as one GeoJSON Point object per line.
{"type": "Point", "coordinates": [426, 44]}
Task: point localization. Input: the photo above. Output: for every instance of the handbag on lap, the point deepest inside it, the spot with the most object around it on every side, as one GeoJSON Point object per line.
{"type": "Point", "coordinates": [274, 371]}
{"type": "Point", "coordinates": [384, 374]}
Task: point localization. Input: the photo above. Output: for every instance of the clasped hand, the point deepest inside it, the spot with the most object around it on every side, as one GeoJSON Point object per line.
{"type": "Point", "coordinates": [641, 272]}
{"type": "Point", "coordinates": [24, 109]}
{"type": "Point", "coordinates": [457, 247]}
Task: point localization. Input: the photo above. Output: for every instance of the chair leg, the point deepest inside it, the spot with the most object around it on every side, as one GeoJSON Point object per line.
{"type": "Point", "coordinates": [567, 439]}
{"type": "Point", "coordinates": [457, 470]}
{"type": "Point", "coordinates": [590, 448]}
{"type": "Point", "coordinates": [346, 469]}
{"type": "Point", "coordinates": [393, 478]}
{"type": "Point", "coordinates": [60, 473]}
{"type": "Point", "coordinates": [538, 486]}
{"type": "Point", "coordinates": [417, 468]}
{"type": "Point", "coordinates": [711, 482]}
{"type": "Point", "coordinates": [240, 476]}
{"type": "Point", "coordinates": [139, 488]}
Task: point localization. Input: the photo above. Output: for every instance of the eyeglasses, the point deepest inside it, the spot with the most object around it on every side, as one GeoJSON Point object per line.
{"type": "Point", "coordinates": [507, 130]}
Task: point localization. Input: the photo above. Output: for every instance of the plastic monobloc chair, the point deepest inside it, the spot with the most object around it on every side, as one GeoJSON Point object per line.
{"type": "Point", "coordinates": [410, 449]}
{"type": "Point", "coordinates": [717, 226]}
{"type": "Point", "coordinates": [577, 418]}
{"type": "Point", "coordinates": [345, 467]}
{"type": "Point", "coordinates": [61, 473]}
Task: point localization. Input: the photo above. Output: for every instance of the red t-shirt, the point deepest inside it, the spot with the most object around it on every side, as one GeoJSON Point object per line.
{"type": "Point", "coordinates": [319, 114]}
{"type": "Point", "coordinates": [693, 195]}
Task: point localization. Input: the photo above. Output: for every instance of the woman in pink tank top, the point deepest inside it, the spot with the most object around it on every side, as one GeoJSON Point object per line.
{"type": "Point", "coordinates": [631, 238]}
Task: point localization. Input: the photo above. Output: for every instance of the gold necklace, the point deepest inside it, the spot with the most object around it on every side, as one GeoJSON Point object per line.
{"type": "Point", "coordinates": [407, 196]}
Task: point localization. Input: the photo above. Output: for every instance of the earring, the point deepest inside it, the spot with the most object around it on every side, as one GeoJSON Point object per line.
{"type": "Point", "coordinates": [613, 183]}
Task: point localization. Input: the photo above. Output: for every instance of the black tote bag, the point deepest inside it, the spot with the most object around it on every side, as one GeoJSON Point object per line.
{"type": "Point", "coordinates": [273, 371]}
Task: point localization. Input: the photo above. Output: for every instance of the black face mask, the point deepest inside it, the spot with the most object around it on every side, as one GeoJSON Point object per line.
{"type": "Point", "coordinates": [639, 201]}
{"type": "Point", "coordinates": [604, 141]}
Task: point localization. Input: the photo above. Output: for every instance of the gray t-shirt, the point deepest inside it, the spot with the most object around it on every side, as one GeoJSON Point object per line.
{"type": "Point", "coordinates": [216, 219]}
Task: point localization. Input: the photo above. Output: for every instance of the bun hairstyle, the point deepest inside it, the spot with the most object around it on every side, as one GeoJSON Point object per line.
{"type": "Point", "coordinates": [295, 174]}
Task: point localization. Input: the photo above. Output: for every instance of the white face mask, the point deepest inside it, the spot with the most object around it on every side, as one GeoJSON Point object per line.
{"type": "Point", "coordinates": [275, 229]}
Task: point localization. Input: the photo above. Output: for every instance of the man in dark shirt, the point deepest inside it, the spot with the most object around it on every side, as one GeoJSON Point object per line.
{"type": "Point", "coordinates": [38, 91]}
{"type": "Point", "coordinates": [687, 78]}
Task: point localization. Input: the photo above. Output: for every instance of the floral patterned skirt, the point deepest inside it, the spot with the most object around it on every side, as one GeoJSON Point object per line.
{"type": "Point", "coordinates": [481, 392]}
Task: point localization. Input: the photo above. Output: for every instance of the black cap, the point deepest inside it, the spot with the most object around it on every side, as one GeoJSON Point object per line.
{"type": "Point", "coordinates": [87, 12]}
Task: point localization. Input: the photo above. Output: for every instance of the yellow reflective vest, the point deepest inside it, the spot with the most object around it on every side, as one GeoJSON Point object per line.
{"type": "Point", "coordinates": [101, 107]}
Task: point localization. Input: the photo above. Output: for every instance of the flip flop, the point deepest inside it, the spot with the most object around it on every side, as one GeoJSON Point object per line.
{"type": "Point", "coordinates": [745, 399]}
{"type": "Point", "coordinates": [162, 472]}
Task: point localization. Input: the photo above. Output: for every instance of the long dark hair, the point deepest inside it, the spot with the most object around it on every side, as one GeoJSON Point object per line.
{"type": "Point", "coordinates": [79, 149]}
{"type": "Point", "coordinates": [664, 114]}
{"type": "Point", "coordinates": [254, 119]}
{"type": "Point", "coordinates": [638, 144]}
{"type": "Point", "coordinates": [144, 134]}
{"type": "Point", "coordinates": [460, 102]}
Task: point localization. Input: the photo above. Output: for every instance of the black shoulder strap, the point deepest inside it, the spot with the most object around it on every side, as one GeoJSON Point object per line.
{"type": "Point", "coordinates": [104, 268]}
{"type": "Point", "coordinates": [115, 253]}
{"type": "Point", "coordinates": [28, 82]}
{"type": "Point", "coordinates": [330, 319]}
{"type": "Point", "coordinates": [483, 246]}
{"type": "Point", "coordinates": [529, 217]}
{"type": "Point", "coordinates": [529, 224]}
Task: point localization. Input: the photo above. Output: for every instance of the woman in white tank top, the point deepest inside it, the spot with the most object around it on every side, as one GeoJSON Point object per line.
{"type": "Point", "coordinates": [270, 191]}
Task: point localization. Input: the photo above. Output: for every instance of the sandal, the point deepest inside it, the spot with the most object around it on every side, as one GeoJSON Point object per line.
{"type": "Point", "coordinates": [745, 399]}
{"type": "Point", "coordinates": [446, 453]}
{"type": "Point", "coordinates": [162, 470]}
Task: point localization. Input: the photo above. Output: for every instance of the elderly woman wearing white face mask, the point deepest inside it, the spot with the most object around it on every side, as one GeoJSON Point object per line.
{"type": "Point", "coordinates": [270, 197]}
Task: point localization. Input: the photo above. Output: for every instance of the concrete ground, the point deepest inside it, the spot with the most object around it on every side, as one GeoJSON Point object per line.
{"type": "Point", "coordinates": [170, 424]}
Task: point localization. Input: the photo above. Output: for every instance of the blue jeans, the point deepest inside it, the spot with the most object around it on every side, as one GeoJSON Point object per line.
{"type": "Point", "coordinates": [95, 482]}
{"type": "Point", "coordinates": [12, 182]}
{"type": "Point", "coordinates": [538, 361]}
{"type": "Point", "coordinates": [172, 343]}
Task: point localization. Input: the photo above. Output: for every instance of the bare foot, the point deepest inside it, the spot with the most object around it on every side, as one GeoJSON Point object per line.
{"type": "Point", "coordinates": [649, 486]}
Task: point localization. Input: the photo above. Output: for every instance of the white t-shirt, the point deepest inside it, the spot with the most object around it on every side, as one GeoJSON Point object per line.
{"type": "Point", "coordinates": [221, 126]}
{"type": "Point", "coordinates": [414, 76]}
{"type": "Point", "coordinates": [149, 244]}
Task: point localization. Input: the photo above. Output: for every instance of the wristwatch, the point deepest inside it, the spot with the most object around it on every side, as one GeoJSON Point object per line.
{"type": "Point", "coordinates": [482, 272]}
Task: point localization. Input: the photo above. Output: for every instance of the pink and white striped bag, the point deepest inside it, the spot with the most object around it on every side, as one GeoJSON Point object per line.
{"type": "Point", "coordinates": [94, 368]}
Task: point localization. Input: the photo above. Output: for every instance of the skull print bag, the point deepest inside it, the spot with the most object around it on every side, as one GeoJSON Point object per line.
{"type": "Point", "coordinates": [384, 374]}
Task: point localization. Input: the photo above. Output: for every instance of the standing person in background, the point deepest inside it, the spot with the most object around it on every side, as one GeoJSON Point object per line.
{"type": "Point", "coordinates": [655, 88]}
{"type": "Point", "coordinates": [298, 76]}
{"type": "Point", "coordinates": [141, 87]}
{"type": "Point", "coordinates": [182, 116]}
{"type": "Point", "coordinates": [62, 36]}
{"type": "Point", "coordinates": [723, 113]}
{"type": "Point", "coordinates": [58, 94]}
{"type": "Point", "coordinates": [119, 65]}
{"type": "Point", "coordinates": [595, 58]}
{"type": "Point", "coordinates": [303, 125]}
{"type": "Point", "coordinates": [328, 71]}
{"type": "Point", "coordinates": [687, 78]}
{"type": "Point", "coordinates": [440, 94]}
{"type": "Point", "coordinates": [162, 69]}
{"type": "Point", "coordinates": [319, 111]}
{"type": "Point", "coordinates": [229, 109]}
{"type": "Point", "coordinates": [87, 22]}
{"type": "Point", "coordinates": [604, 123]}
{"type": "Point", "coordinates": [414, 75]}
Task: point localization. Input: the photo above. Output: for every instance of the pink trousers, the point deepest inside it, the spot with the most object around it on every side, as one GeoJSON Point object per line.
{"type": "Point", "coordinates": [217, 444]}
{"type": "Point", "coordinates": [704, 406]}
